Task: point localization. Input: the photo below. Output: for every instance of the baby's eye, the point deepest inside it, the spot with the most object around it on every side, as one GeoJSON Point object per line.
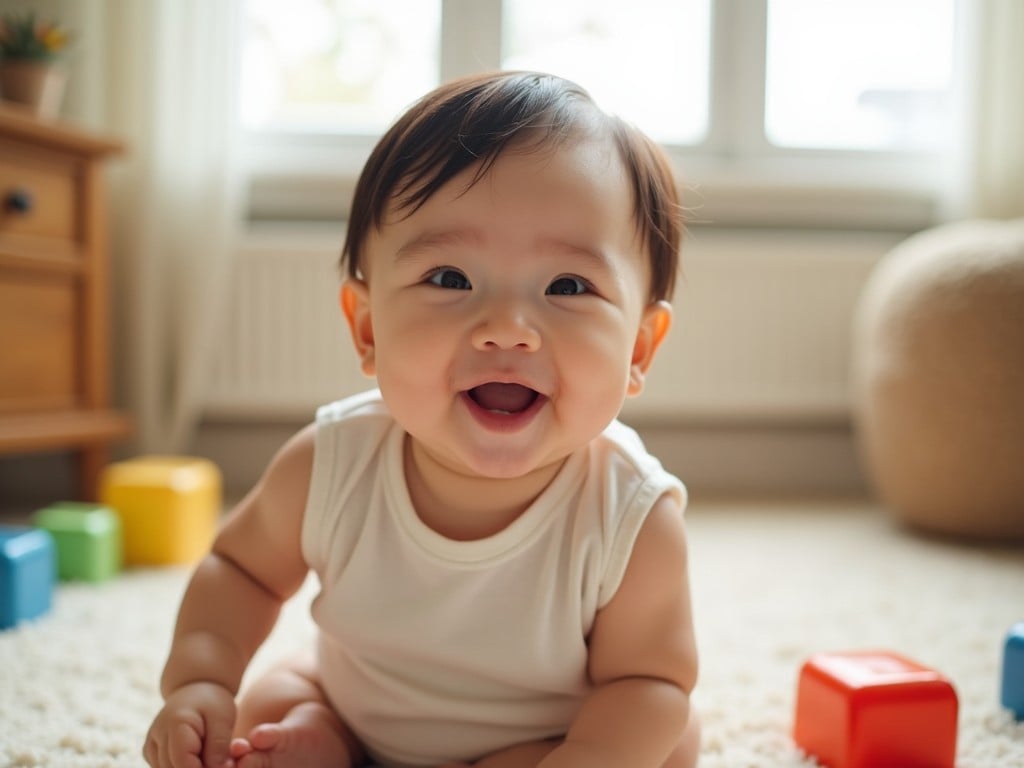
{"type": "Point", "coordinates": [449, 278]}
{"type": "Point", "coordinates": [567, 286]}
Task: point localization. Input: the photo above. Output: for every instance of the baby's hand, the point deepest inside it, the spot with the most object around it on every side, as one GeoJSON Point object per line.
{"type": "Point", "coordinates": [193, 730]}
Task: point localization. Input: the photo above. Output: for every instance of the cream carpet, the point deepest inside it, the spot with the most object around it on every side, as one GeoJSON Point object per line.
{"type": "Point", "coordinates": [772, 585]}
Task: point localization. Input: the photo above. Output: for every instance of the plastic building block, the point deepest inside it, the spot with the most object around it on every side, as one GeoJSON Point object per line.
{"type": "Point", "coordinates": [88, 539]}
{"type": "Point", "coordinates": [1013, 671]}
{"type": "Point", "coordinates": [28, 565]}
{"type": "Point", "coordinates": [168, 505]}
{"type": "Point", "coordinates": [875, 709]}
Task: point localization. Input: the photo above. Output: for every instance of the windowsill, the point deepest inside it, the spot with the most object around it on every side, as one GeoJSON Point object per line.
{"type": "Point", "coordinates": [715, 203]}
{"type": "Point", "coordinates": [314, 179]}
{"type": "Point", "coordinates": [815, 206]}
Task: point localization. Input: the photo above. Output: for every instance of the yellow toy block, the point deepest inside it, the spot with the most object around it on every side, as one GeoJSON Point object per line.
{"type": "Point", "coordinates": [168, 505]}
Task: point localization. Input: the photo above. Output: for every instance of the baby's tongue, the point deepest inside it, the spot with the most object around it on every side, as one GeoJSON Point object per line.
{"type": "Point", "coordinates": [511, 398]}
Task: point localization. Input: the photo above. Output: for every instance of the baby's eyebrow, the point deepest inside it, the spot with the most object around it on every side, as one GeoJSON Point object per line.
{"type": "Point", "coordinates": [595, 256]}
{"type": "Point", "coordinates": [424, 242]}
{"type": "Point", "coordinates": [432, 239]}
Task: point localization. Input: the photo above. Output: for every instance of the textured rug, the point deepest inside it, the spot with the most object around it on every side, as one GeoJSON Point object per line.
{"type": "Point", "coordinates": [773, 584]}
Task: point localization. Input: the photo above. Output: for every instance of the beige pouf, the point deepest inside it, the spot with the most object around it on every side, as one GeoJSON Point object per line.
{"type": "Point", "coordinates": [938, 371]}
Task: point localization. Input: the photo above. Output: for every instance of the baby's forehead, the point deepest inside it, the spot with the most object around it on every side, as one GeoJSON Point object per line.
{"type": "Point", "coordinates": [571, 199]}
{"type": "Point", "coordinates": [457, 134]}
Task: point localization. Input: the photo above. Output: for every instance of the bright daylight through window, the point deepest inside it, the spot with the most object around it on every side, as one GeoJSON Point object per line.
{"type": "Point", "coordinates": [871, 74]}
{"type": "Point", "coordinates": [661, 83]}
{"type": "Point", "coordinates": [336, 66]}
{"type": "Point", "coordinates": [866, 85]}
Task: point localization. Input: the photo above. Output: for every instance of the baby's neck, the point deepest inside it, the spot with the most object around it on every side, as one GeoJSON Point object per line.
{"type": "Point", "coordinates": [464, 507]}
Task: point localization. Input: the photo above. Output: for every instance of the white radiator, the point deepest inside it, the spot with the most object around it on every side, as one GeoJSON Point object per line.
{"type": "Point", "coordinates": [762, 322]}
{"type": "Point", "coordinates": [285, 346]}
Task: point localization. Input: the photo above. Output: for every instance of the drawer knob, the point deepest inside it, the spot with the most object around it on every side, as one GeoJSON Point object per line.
{"type": "Point", "coordinates": [18, 201]}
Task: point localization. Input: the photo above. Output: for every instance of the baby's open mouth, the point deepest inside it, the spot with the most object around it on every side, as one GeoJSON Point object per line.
{"type": "Point", "coordinates": [503, 398]}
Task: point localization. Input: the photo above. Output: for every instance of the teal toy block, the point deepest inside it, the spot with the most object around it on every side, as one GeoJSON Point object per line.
{"type": "Point", "coordinates": [28, 569]}
{"type": "Point", "coordinates": [88, 539]}
{"type": "Point", "coordinates": [1013, 671]}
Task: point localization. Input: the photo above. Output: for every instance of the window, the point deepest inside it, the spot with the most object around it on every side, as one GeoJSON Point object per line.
{"type": "Point", "coordinates": [595, 44]}
{"type": "Point", "coordinates": [749, 96]}
{"type": "Point", "coordinates": [342, 66]}
{"type": "Point", "coordinates": [822, 90]}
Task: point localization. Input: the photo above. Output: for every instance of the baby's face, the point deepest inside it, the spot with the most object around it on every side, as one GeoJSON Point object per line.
{"type": "Point", "coordinates": [506, 324]}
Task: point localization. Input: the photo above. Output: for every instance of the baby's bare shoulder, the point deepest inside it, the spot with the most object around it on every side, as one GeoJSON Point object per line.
{"type": "Point", "coordinates": [646, 630]}
{"type": "Point", "coordinates": [262, 534]}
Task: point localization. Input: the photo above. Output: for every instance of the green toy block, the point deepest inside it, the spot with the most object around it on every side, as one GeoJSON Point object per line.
{"type": "Point", "coordinates": [88, 538]}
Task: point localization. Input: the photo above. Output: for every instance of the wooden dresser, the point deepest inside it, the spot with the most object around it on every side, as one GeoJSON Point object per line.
{"type": "Point", "coordinates": [54, 295]}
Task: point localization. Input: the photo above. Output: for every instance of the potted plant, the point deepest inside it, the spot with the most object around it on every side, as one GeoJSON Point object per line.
{"type": "Point", "coordinates": [29, 74]}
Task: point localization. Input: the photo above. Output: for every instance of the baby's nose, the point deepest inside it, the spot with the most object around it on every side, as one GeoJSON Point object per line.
{"type": "Point", "coordinates": [506, 326]}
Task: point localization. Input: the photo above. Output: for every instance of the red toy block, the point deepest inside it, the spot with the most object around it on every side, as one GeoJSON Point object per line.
{"type": "Point", "coordinates": [875, 709]}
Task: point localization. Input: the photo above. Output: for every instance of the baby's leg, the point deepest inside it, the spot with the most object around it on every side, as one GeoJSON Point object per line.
{"type": "Point", "coordinates": [285, 721]}
{"type": "Point", "coordinates": [687, 750]}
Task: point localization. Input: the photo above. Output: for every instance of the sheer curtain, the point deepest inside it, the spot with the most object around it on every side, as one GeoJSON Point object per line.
{"type": "Point", "coordinates": [169, 86]}
{"type": "Point", "coordinates": [993, 181]}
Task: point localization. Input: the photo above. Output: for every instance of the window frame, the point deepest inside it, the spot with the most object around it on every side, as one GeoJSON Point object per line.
{"type": "Point", "coordinates": [734, 177]}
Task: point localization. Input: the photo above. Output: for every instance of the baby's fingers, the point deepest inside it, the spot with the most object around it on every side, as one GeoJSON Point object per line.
{"type": "Point", "coordinates": [179, 748]}
{"type": "Point", "coordinates": [184, 748]}
{"type": "Point", "coordinates": [217, 741]}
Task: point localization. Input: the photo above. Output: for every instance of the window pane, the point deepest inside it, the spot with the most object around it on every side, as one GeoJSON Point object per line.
{"type": "Point", "coordinates": [870, 74]}
{"type": "Point", "coordinates": [347, 66]}
{"type": "Point", "coordinates": [646, 60]}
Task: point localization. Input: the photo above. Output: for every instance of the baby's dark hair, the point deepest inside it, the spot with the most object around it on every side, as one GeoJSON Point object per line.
{"type": "Point", "coordinates": [472, 121]}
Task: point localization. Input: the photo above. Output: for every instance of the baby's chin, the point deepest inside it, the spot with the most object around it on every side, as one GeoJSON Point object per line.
{"type": "Point", "coordinates": [491, 463]}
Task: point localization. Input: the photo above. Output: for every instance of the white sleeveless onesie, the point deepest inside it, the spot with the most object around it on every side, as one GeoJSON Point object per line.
{"type": "Point", "coordinates": [435, 650]}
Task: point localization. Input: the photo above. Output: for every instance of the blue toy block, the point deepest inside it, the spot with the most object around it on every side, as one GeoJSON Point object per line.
{"type": "Point", "coordinates": [88, 539]}
{"type": "Point", "coordinates": [1013, 671]}
{"type": "Point", "coordinates": [28, 569]}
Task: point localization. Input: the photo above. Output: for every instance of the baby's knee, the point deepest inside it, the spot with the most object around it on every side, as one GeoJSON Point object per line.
{"type": "Point", "coordinates": [688, 748]}
{"type": "Point", "coordinates": [269, 697]}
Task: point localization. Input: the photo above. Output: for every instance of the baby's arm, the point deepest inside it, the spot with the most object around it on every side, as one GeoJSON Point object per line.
{"type": "Point", "coordinates": [643, 658]}
{"type": "Point", "coordinates": [229, 608]}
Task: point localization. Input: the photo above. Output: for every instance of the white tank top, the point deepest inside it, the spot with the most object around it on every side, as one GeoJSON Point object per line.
{"type": "Point", "coordinates": [435, 650]}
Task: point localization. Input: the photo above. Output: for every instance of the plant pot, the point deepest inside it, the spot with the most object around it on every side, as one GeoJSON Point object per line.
{"type": "Point", "coordinates": [37, 85]}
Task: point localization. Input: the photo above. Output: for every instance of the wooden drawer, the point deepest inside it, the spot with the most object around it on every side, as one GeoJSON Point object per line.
{"type": "Point", "coordinates": [54, 321]}
{"type": "Point", "coordinates": [40, 359]}
{"type": "Point", "coordinates": [44, 186]}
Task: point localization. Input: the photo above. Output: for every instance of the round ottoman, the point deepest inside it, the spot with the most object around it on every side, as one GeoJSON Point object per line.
{"type": "Point", "coordinates": [938, 379]}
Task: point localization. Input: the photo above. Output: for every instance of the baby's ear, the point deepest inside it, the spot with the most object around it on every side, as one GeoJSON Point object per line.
{"type": "Point", "coordinates": [654, 325]}
{"type": "Point", "coordinates": [355, 304]}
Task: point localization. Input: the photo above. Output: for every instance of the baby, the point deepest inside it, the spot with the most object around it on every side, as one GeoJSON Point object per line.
{"type": "Point", "coordinates": [502, 566]}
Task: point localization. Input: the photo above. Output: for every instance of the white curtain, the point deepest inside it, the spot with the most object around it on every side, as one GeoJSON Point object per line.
{"type": "Point", "coordinates": [993, 182]}
{"type": "Point", "coordinates": [169, 82]}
